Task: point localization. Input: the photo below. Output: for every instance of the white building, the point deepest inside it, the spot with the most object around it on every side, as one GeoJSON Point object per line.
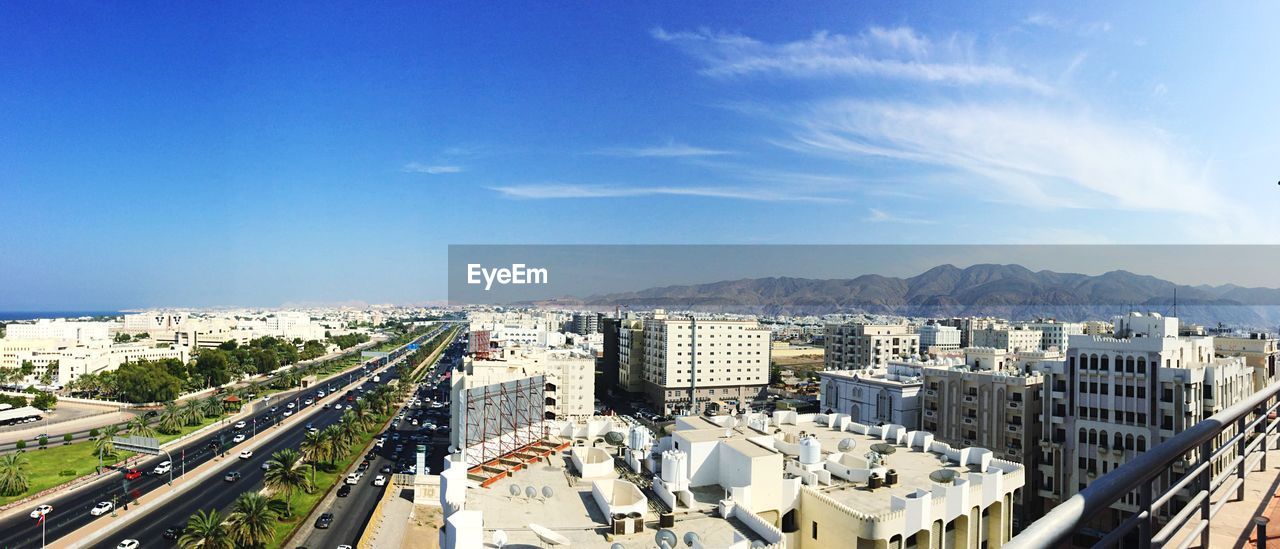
{"type": "Point", "coordinates": [856, 346]}
{"type": "Point", "coordinates": [72, 361]}
{"type": "Point", "coordinates": [874, 396]}
{"type": "Point", "coordinates": [934, 337]}
{"type": "Point", "coordinates": [1054, 333]}
{"type": "Point", "coordinates": [154, 322]}
{"type": "Point", "coordinates": [61, 330]}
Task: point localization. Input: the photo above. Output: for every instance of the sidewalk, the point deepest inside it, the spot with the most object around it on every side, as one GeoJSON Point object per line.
{"type": "Point", "coordinates": [1233, 526]}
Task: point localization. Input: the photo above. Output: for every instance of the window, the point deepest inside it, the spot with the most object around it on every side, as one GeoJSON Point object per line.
{"type": "Point", "coordinates": [815, 529]}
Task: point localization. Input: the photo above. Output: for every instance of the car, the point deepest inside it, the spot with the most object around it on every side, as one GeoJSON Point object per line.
{"type": "Point", "coordinates": [290, 405]}
{"type": "Point", "coordinates": [266, 465]}
{"type": "Point", "coordinates": [41, 510]}
{"type": "Point", "coordinates": [386, 469]}
{"type": "Point", "coordinates": [246, 454]}
{"type": "Point", "coordinates": [232, 476]}
{"type": "Point", "coordinates": [337, 406]}
{"type": "Point", "coordinates": [415, 422]}
{"type": "Point", "coordinates": [353, 478]}
{"type": "Point", "coordinates": [240, 425]}
{"type": "Point", "coordinates": [101, 508]}
{"type": "Point", "coordinates": [150, 414]}
{"type": "Point", "coordinates": [324, 520]}
{"type": "Point", "coordinates": [312, 430]}
{"type": "Point", "coordinates": [237, 439]}
{"type": "Point", "coordinates": [131, 474]}
{"type": "Point", "coordinates": [319, 394]}
{"type": "Point", "coordinates": [307, 402]}
{"type": "Point", "coordinates": [173, 532]}
{"type": "Point", "coordinates": [379, 443]}
{"type": "Point", "coordinates": [288, 413]}
{"type": "Point", "coordinates": [380, 480]}
{"type": "Point", "coordinates": [344, 547]}
{"type": "Point", "coordinates": [163, 468]}
{"type": "Point", "coordinates": [344, 491]}
{"type": "Point", "coordinates": [328, 406]}
{"type": "Point", "coordinates": [274, 409]}
{"type": "Point", "coordinates": [128, 544]}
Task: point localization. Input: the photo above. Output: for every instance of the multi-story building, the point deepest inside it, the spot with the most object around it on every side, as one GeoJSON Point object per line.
{"type": "Point", "coordinates": [857, 346]}
{"type": "Point", "coordinates": [1013, 339]}
{"type": "Point", "coordinates": [1115, 397]}
{"type": "Point", "coordinates": [1096, 327]}
{"type": "Point", "coordinates": [631, 354]}
{"type": "Point", "coordinates": [61, 362]}
{"type": "Point", "coordinates": [59, 329]}
{"type": "Point", "coordinates": [585, 323]}
{"type": "Point", "coordinates": [987, 401]}
{"type": "Point", "coordinates": [714, 360]}
{"type": "Point", "coordinates": [935, 337]}
{"type": "Point", "coordinates": [874, 397]}
{"type": "Point", "coordinates": [155, 322]}
{"type": "Point", "coordinates": [1054, 333]}
{"type": "Point", "coordinates": [967, 325]}
{"type": "Point", "coordinates": [1260, 351]}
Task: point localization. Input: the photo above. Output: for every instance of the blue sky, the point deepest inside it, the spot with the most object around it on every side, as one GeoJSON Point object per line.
{"type": "Point", "coordinates": [241, 154]}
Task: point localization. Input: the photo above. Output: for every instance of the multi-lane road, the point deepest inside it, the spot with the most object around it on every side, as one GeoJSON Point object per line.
{"type": "Point", "coordinates": [71, 510]}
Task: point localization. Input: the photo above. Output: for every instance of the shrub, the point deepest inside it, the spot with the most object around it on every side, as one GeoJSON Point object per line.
{"type": "Point", "coordinates": [66, 439]}
{"type": "Point", "coordinates": [93, 433]}
{"type": "Point", "coordinates": [44, 441]}
{"type": "Point", "coordinates": [21, 444]}
{"type": "Point", "coordinates": [67, 473]}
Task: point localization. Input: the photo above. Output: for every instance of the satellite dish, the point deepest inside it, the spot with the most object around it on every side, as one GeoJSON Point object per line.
{"type": "Point", "coordinates": [530, 492]}
{"type": "Point", "coordinates": [547, 492]}
{"type": "Point", "coordinates": [943, 476]}
{"type": "Point", "coordinates": [665, 538]}
{"type": "Point", "coordinates": [691, 538]}
{"type": "Point", "coordinates": [499, 538]}
{"type": "Point", "coordinates": [514, 489]}
{"type": "Point", "coordinates": [847, 445]}
{"type": "Point", "coordinates": [883, 449]}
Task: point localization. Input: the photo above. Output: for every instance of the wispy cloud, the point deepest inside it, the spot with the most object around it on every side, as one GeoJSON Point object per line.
{"type": "Point", "coordinates": [567, 191]}
{"type": "Point", "coordinates": [418, 167]}
{"type": "Point", "coordinates": [671, 149]}
{"type": "Point", "coordinates": [898, 53]}
{"type": "Point", "coordinates": [1034, 155]}
{"type": "Point", "coordinates": [876, 215]}
{"type": "Point", "coordinates": [1044, 20]}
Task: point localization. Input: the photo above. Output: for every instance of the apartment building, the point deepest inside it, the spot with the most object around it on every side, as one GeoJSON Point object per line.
{"type": "Point", "coordinates": [1054, 334]}
{"type": "Point", "coordinates": [856, 346]}
{"type": "Point", "coordinates": [968, 325]}
{"type": "Point", "coordinates": [722, 361]}
{"type": "Point", "coordinates": [987, 400]}
{"type": "Point", "coordinates": [1115, 397]}
{"type": "Point", "coordinates": [1013, 339]}
{"type": "Point", "coordinates": [934, 338]}
{"type": "Point", "coordinates": [59, 329]}
{"type": "Point", "coordinates": [1260, 351]}
{"type": "Point", "coordinates": [874, 396]}
{"type": "Point", "coordinates": [585, 323]}
{"type": "Point", "coordinates": [61, 361]}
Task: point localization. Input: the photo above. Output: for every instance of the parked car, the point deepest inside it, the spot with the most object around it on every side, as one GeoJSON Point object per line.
{"type": "Point", "coordinates": [173, 533]}
{"type": "Point", "coordinates": [324, 520]}
{"type": "Point", "coordinates": [380, 480]}
{"type": "Point", "coordinates": [353, 478]}
{"type": "Point", "coordinates": [344, 491]}
{"type": "Point", "coordinates": [101, 508]}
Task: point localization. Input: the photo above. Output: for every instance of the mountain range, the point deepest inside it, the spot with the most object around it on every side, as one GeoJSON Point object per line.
{"type": "Point", "coordinates": [1010, 291]}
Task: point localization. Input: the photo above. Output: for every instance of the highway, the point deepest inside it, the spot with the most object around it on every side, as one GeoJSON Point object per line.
{"type": "Point", "coordinates": [71, 509]}
{"type": "Point", "coordinates": [351, 514]}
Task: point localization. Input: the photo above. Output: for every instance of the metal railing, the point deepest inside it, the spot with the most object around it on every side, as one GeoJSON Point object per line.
{"type": "Point", "coordinates": [1057, 527]}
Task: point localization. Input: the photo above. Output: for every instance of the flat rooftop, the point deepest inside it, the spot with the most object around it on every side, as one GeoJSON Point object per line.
{"type": "Point", "coordinates": [572, 512]}
{"type": "Point", "coordinates": [913, 467]}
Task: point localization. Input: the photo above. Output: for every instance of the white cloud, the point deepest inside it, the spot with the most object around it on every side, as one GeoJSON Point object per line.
{"type": "Point", "coordinates": [671, 149]}
{"type": "Point", "coordinates": [1047, 21]}
{"type": "Point", "coordinates": [880, 216]}
{"type": "Point", "coordinates": [564, 191]}
{"type": "Point", "coordinates": [898, 53]}
{"type": "Point", "coordinates": [418, 167]}
{"type": "Point", "coordinates": [1031, 155]}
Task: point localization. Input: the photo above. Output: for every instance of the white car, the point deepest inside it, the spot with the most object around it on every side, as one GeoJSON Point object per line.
{"type": "Point", "coordinates": [246, 454]}
{"type": "Point", "coordinates": [163, 468]}
{"type": "Point", "coordinates": [379, 443]}
{"type": "Point", "coordinates": [307, 402]}
{"type": "Point", "coordinates": [130, 544]}
{"type": "Point", "coordinates": [41, 510]}
{"type": "Point", "coordinates": [266, 465]}
{"type": "Point", "coordinates": [290, 406]}
{"type": "Point", "coordinates": [288, 413]}
{"type": "Point", "coordinates": [237, 439]}
{"type": "Point", "coordinates": [344, 547]}
{"type": "Point", "coordinates": [101, 509]}
{"type": "Point", "coordinates": [337, 406]}
{"type": "Point", "coordinates": [240, 425]}
{"type": "Point", "coordinates": [380, 480]}
{"type": "Point", "coordinates": [353, 478]}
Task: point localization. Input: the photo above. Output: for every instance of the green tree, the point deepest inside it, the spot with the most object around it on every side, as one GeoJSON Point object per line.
{"type": "Point", "coordinates": [212, 367]}
{"type": "Point", "coordinates": [205, 530]}
{"type": "Point", "coordinates": [333, 441]}
{"type": "Point", "coordinates": [139, 427]}
{"type": "Point", "coordinates": [192, 412]}
{"type": "Point", "coordinates": [170, 420]}
{"type": "Point", "coordinates": [251, 522]}
{"type": "Point", "coordinates": [45, 400]}
{"type": "Point", "coordinates": [287, 472]}
{"type": "Point", "coordinates": [313, 449]}
{"type": "Point", "coordinates": [146, 381]}
{"type": "Point", "coordinates": [13, 474]}
{"type": "Point", "coordinates": [105, 445]}
{"type": "Point", "coordinates": [212, 407]}
{"type": "Point", "coordinates": [66, 439]}
{"type": "Point", "coordinates": [312, 349]}
{"type": "Point", "coordinates": [122, 338]}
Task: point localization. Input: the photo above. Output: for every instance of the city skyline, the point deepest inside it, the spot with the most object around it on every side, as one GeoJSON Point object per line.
{"type": "Point", "coordinates": [222, 156]}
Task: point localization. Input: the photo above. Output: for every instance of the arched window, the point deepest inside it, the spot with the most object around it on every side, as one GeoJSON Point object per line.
{"type": "Point", "coordinates": [1128, 364]}
{"type": "Point", "coordinates": [1142, 365]}
{"type": "Point", "coordinates": [1106, 363]}
{"type": "Point", "coordinates": [1142, 443]}
{"type": "Point", "coordinates": [1093, 436]}
{"type": "Point", "coordinates": [1102, 439]}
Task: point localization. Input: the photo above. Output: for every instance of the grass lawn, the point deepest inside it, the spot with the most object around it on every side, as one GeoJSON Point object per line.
{"type": "Point", "coordinates": [45, 468]}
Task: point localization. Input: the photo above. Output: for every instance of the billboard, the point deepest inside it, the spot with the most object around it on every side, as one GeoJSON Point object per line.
{"type": "Point", "coordinates": [502, 418]}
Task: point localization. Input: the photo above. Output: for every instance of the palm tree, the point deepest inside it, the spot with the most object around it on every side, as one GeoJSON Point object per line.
{"type": "Point", "coordinates": [332, 436]}
{"type": "Point", "coordinates": [139, 427]}
{"type": "Point", "coordinates": [105, 445]}
{"type": "Point", "coordinates": [170, 420]}
{"type": "Point", "coordinates": [211, 407]}
{"type": "Point", "coordinates": [350, 428]}
{"type": "Point", "coordinates": [13, 474]}
{"type": "Point", "coordinates": [205, 530]}
{"type": "Point", "coordinates": [288, 472]}
{"type": "Point", "coordinates": [313, 451]}
{"type": "Point", "coordinates": [192, 412]}
{"type": "Point", "coordinates": [251, 522]}
{"type": "Point", "coordinates": [361, 413]}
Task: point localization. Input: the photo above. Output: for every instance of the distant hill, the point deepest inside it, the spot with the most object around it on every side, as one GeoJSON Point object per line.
{"type": "Point", "coordinates": [1001, 290]}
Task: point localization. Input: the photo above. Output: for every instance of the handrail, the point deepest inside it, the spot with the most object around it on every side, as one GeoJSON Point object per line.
{"type": "Point", "coordinates": [1057, 526]}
